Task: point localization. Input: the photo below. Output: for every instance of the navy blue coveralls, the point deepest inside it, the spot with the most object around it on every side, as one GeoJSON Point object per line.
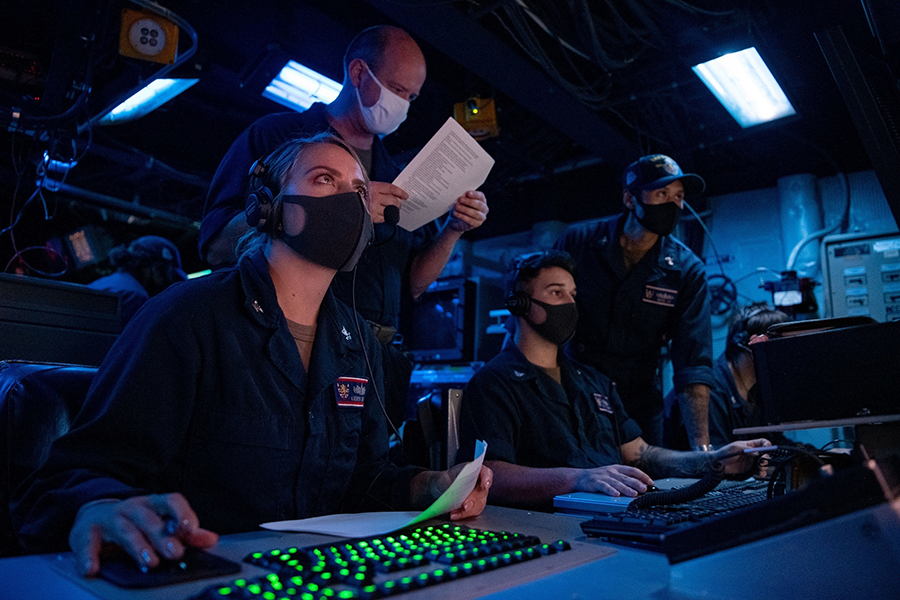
{"type": "Point", "coordinates": [528, 419]}
{"type": "Point", "coordinates": [381, 277]}
{"type": "Point", "coordinates": [625, 318]}
{"type": "Point", "coordinates": [205, 394]}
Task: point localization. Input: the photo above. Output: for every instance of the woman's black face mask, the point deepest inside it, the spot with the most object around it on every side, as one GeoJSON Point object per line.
{"type": "Point", "coordinates": [335, 232]}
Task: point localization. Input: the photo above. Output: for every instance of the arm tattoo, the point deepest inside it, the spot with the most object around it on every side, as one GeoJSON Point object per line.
{"type": "Point", "coordinates": [662, 462]}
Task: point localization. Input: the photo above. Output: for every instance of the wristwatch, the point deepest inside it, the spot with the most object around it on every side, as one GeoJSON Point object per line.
{"type": "Point", "coordinates": [704, 448]}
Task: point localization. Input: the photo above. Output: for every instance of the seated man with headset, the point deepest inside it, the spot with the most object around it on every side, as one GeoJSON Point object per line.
{"type": "Point", "coordinates": [554, 426]}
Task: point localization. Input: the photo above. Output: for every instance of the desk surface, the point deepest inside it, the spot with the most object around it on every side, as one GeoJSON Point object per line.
{"type": "Point", "coordinates": [852, 556]}
{"type": "Point", "coordinates": [626, 573]}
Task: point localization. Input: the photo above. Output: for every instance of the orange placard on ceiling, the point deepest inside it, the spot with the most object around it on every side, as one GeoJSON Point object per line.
{"type": "Point", "coordinates": [148, 36]}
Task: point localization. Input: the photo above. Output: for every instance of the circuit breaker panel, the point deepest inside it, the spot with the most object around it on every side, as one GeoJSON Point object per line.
{"type": "Point", "coordinates": [862, 275]}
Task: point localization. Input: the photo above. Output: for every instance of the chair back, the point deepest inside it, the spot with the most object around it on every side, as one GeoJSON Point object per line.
{"type": "Point", "coordinates": [38, 402]}
{"type": "Point", "coordinates": [438, 416]}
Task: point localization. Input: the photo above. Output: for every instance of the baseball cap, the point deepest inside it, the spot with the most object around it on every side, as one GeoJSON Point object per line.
{"type": "Point", "coordinates": [160, 249]}
{"type": "Point", "coordinates": [658, 170]}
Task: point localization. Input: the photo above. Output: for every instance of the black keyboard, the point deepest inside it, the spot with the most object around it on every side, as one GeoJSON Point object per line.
{"type": "Point", "coordinates": [381, 566]}
{"type": "Point", "coordinates": [647, 527]}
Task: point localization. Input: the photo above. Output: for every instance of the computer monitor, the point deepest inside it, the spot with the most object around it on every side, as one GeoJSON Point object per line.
{"type": "Point", "coordinates": [831, 378]}
{"type": "Point", "coordinates": [448, 323]}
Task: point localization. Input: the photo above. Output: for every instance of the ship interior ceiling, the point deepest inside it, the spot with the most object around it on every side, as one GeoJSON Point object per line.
{"type": "Point", "coordinates": [581, 88]}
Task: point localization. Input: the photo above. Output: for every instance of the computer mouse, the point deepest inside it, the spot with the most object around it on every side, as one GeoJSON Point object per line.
{"type": "Point", "coordinates": [123, 571]}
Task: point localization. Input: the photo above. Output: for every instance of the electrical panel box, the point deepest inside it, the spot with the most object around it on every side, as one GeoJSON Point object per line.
{"type": "Point", "coordinates": [862, 275]}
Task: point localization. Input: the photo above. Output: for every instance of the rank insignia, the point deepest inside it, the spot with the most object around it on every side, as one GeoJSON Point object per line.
{"type": "Point", "coordinates": [350, 391]}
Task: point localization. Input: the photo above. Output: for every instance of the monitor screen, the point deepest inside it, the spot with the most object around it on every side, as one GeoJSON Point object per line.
{"type": "Point", "coordinates": [843, 376]}
{"type": "Point", "coordinates": [440, 328]}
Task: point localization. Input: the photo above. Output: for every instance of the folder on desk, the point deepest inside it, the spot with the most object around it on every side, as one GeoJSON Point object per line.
{"type": "Point", "coordinates": [589, 503]}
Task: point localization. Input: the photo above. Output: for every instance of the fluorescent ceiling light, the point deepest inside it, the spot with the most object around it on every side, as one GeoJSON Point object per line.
{"type": "Point", "coordinates": [298, 87]}
{"type": "Point", "coordinates": [151, 97]}
{"type": "Point", "coordinates": [746, 88]}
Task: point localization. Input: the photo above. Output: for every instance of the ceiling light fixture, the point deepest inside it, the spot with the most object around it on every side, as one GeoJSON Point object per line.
{"type": "Point", "coordinates": [742, 82]}
{"type": "Point", "coordinates": [147, 99]}
{"type": "Point", "coordinates": [298, 87]}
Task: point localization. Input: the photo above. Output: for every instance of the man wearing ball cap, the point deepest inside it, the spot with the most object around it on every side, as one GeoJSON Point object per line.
{"type": "Point", "coordinates": [639, 289]}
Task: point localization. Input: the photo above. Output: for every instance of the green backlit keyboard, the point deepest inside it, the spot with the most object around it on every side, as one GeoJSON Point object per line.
{"type": "Point", "coordinates": [382, 566]}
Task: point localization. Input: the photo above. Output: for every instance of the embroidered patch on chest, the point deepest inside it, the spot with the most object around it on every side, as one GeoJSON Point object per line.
{"type": "Point", "coordinates": [603, 404]}
{"type": "Point", "coordinates": [660, 296]}
{"type": "Point", "coordinates": [350, 391]}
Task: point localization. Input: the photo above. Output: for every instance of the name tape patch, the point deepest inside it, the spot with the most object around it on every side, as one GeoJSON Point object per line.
{"type": "Point", "coordinates": [351, 391]}
{"type": "Point", "coordinates": [603, 404]}
{"type": "Point", "coordinates": [660, 296]}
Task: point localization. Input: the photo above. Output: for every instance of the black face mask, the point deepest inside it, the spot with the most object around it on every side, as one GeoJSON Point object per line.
{"type": "Point", "coordinates": [559, 326]}
{"type": "Point", "coordinates": [336, 231]}
{"type": "Point", "coordinates": [658, 218]}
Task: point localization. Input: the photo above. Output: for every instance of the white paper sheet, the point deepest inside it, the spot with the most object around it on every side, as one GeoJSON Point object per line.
{"type": "Point", "coordinates": [379, 523]}
{"type": "Point", "coordinates": [448, 166]}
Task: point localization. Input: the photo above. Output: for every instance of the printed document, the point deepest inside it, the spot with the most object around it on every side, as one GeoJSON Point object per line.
{"type": "Point", "coordinates": [449, 165]}
{"type": "Point", "coordinates": [378, 523]}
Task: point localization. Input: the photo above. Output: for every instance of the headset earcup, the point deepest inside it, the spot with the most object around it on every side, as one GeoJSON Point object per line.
{"type": "Point", "coordinates": [252, 210]}
{"type": "Point", "coordinates": [741, 338]}
{"type": "Point", "coordinates": [259, 197]}
{"type": "Point", "coordinates": [518, 303]}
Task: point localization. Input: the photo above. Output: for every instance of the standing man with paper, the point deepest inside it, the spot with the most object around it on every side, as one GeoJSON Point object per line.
{"type": "Point", "coordinates": [384, 70]}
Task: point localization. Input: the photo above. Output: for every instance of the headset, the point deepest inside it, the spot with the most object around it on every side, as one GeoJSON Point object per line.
{"type": "Point", "coordinates": [260, 195]}
{"type": "Point", "coordinates": [518, 302]}
{"type": "Point", "coordinates": [741, 337]}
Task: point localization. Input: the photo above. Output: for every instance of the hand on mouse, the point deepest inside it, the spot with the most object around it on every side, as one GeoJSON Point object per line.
{"type": "Point", "coordinates": [146, 527]}
{"type": "Point", "coordinates": [614, 480]}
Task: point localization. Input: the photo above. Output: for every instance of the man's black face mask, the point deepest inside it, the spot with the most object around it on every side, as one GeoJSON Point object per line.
{"type": "Point", "coordinates": [336, 230]}
{"type": "Point", "coordinates": [559, 326]}
{"type": "Point", "coordinates": [658, 218]}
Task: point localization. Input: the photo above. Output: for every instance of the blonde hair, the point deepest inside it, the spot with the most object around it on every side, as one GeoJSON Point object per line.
{"type": "Point", "coordinates": [279, 165]}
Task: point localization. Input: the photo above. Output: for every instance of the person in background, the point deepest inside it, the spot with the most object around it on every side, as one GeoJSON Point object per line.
{"type": "Point", "coordinates": [734, 397]}
{"type": "Point", "coordinates": [246, 396]}
{"type": "Point", "coordinates": [144, 268]}
{"type": "Point", "coordinates": [639, 290]}
{"type": "Point", "coordinates": [384, 71]}
{"type": "Point", "coordinates": [555, 426]}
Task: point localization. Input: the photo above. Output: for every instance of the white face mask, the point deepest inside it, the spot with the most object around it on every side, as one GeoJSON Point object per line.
{"type": "Point", "coordinates": [384, 116]}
